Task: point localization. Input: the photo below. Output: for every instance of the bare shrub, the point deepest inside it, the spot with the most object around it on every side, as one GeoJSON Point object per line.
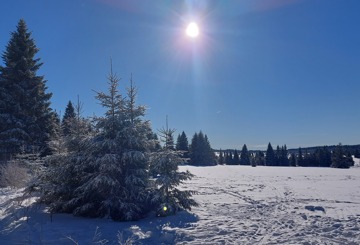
{"type": "Point", "coordinates": [125, 241]}
{"type": "Point", "coordinates": [13, 174]}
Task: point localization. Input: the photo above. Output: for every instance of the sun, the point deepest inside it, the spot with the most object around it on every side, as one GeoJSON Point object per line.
{"type": "Point", "coordinates": [192, 30]}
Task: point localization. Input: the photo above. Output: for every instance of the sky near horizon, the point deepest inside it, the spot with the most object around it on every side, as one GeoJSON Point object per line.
{"type": "Point", "coordinates": [260, 71]}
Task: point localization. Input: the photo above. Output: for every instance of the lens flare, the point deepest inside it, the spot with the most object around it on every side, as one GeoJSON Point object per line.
{"type": "Point", "coordinates": [192, 30]}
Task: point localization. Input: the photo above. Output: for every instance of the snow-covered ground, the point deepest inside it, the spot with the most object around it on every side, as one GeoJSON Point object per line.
{"type": "Point", "coordinates": [238, 205]}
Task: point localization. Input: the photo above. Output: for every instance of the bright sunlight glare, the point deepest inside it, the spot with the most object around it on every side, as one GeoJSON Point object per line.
{"type": "Point", "coordinates": [192, 30]}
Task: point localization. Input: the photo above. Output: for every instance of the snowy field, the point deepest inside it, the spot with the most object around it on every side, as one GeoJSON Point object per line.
{"type": "Point", "coordinates": [238, 205]}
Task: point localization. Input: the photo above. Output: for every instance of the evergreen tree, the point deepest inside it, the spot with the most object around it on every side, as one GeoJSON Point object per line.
{"type": "Point", "coordinates": [164, 164]}
{"type": "Point", "coordinates": [68, 119]}
{"type": "Point", "coordinates": [270, 158]}
{"type": "Point", "coordinates": [300, 159]}
{"type": "Point", "coordinates": [357, 153]}
{"type": "Point", "coordinates": [108, 177]}
{"type": "Point", "coordinates": [284, 161]}
{"type": "Point", "coordinates": [258, 158]}
{"type": "Point", "coordinates": [278, 156]}
{"type": "Point", "coordinates": [322, 157]}
{"type": "Point", "coordinates": [79, 128]}
{"type": "Point", "coordinates": [252, 160]}
{"type": "Point", "coordinates": [229, 158]}
{"type": "Point", "coordinates": [306, 158]}
{"type": "Point", "coordinates": [292, 160]}
{"type": "Point", "coordinates": [349, 158]}
{"type": "Point", "coordinates": [182, 145]}
{"type": "Point", "coordinates": [244, 156]}
{"type": "Point", "coordinates": [326, 158]}
{"type": "Point", "coordinates": [221, 159]}
{"type": "Point", "coordinates": [236, 159]}
{"type": "Point", "coordinates": [170, 142]}
{"type": "Point", "coordinates": [310, 160]}
{"type": "Point", "coordinates": [26, 118]}
{"type": "Point", "coordinates": [166, 137]}
{"type": "Point", "coordinates": [201, 153]}
{"type": "Point", "coordinates": [194, 148]}
{"type": "Point", "coordinates": [339, 159]}
{"type": "Point", "coordinates": [56, 144]}
{"type": "Point", "coordinates": [153, 137]}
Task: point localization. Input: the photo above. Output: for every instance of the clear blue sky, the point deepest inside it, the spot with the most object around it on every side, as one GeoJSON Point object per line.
{"type": "Point", "coordinates": [279, 71]}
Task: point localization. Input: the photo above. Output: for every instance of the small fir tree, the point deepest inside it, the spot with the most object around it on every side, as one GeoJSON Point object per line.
{"type": "Point", "coordinates": [168, 198]}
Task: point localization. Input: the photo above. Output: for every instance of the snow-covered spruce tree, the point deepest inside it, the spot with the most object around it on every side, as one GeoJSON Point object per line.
{"type": "Point", "coordinates": [25, 113]}
{"type": "Point", "coordinates": [165, 164]}
{"type": "Point", "coordinates": [107, 176]}
{"type": "Point", "coordinates": [66, 167]}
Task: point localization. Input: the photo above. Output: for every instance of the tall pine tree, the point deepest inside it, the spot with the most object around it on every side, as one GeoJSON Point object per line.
{"type": "Point", "coordinates": [270, 158]}
{"type": "Point", "coordinates": [26, 119]}
{"type": "Point", "coordinates": [244, 156]}
{"type": "Point", "coordinates": [68, 118]}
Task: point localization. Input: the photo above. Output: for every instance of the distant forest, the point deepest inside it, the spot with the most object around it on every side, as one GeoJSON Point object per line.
{"type": "Point", "coordinates": [353, 149]}
{"type": "Point", "coordinates": [338, 156]}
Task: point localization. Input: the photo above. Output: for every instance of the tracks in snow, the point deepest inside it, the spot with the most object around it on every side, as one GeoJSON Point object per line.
{"type": "Point", "coordinates": [264, 212]}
